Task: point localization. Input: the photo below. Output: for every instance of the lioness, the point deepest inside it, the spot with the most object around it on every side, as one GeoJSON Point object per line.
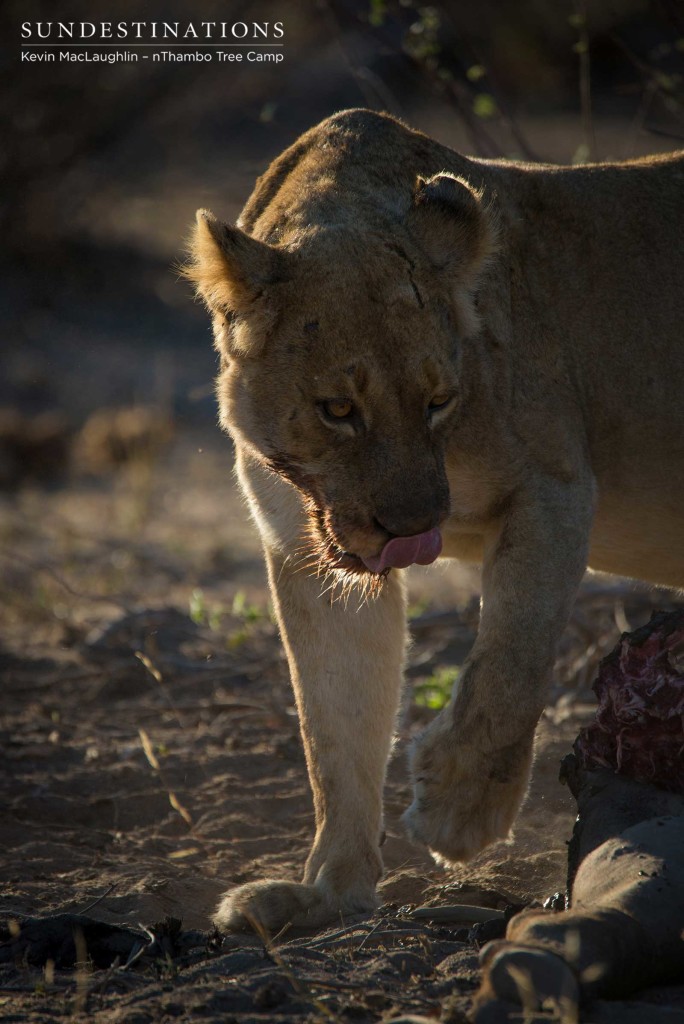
{"type": "Point", "coordinates": [424, 354]}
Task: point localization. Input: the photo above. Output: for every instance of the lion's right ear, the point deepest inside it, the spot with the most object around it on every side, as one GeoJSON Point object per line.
{"type": "Point", "coordinates": [228, 268]}
{"type": "Point", "coordinates": [232, 272]}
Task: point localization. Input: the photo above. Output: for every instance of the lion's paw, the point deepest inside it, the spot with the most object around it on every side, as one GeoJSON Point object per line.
{"type": "Point", "coordinates": [271, 905]}
{"type": "Point", "coordinates": [465, 797]}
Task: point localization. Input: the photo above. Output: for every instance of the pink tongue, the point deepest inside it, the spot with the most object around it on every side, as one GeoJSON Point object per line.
{"type": "Point", "coordinates": [422, 549]}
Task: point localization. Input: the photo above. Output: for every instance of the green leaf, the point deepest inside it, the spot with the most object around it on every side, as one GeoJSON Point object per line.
{"type": "Point", "coordinates": [197, 607]}
{"type": "Point", "coordinates": [377, 13]}
{"type": "Point", "coordinates": [484, 105]}
{"type": "Point", "coordinates": [434, 692]}
{"type": "Point", "coordinates": [666, 82]}
{"type": "Point", "coordinates": [244, 610]}
{"type": "Point", "coordinates": [476, 72]}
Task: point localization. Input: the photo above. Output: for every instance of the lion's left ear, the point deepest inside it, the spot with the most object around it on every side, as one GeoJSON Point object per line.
{"type": "Point", "coordinates": [452, 226]}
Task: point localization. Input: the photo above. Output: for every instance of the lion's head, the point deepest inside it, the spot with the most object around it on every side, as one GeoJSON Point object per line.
{"type": "Point", "coordinates": [340, 351]}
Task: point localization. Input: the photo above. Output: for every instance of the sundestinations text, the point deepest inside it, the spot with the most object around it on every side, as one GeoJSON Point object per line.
{"type": "Point", "coordinates": [102, 31]}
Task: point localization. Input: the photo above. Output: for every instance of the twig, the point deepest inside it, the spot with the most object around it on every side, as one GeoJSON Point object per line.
{"type": "Point", "coordinates": [286, 927]}
{"type": "Point", "coordinates": [504, 108]}
{"type": "Point", "coordinates": [366, 937]}
{"type": "Point", "coordinates": [298, 986]}
{"type": "Point", "coordinates": [159, 679]}
{"type": "Point", "coordinates": [324, 939]}
{"type": "Point", "coordinates": [373, 83]}
{"type": "Point", "coordinates": [665, 132]}
{"type": "Point", "coordinates": [99, 899]}
{"type": "Point", "coordinates": [101, 983]}
{"type": "Point", "coordinates": [398, 933]}
{"type": "Point", "coordinates": [370, 85]}
{"type": "Point", "coordinates": [342, 940]}
{"type": "Point", "coordinates": [31, 563]}
{"type": "Point", "coordinates": [482, 140]}
{"type": "Point", "coordinates": [639, 120]}
{"type": "Point", "coordinates": [156, 674]}
{"type": "Point", "coordinates": [585, 80]}
{"type": "Point", "coordinates": [333, 983]}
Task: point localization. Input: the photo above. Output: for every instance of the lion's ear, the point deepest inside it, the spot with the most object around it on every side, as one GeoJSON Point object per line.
{"type": "Point", "coordinates": [228, 268]}
{"type": "Point", "coordinates": [452, 226]}
{"type": "Point", "coordinates": [232, 272]}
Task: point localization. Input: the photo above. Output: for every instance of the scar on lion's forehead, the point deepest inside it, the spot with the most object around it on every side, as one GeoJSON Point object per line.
{"type": "Point", "coordinates": [432, 371]}
{"type": "Point", "coordinates": [404, 290]}
{"type": "Point", "coordinates": [358, 374]}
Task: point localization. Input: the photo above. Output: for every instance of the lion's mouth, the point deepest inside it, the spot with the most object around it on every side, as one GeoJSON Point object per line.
{"type": "Point", "coordinates": [397, 553]}
{"type": "Point", "coordinates": [337, 557]}
{"type": "Point", "coordinates": [331, 554]}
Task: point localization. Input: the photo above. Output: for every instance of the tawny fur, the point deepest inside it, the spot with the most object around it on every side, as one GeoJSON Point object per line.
{"type": "Point", "coordinates": [375, 267]}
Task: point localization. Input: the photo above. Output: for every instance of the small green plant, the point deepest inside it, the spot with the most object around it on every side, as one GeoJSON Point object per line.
{"type": "Point", "coordinates": [198, 607]}
{"type": "Point", "coordinates": [214, 616]}
{"type": "Point", "coordinates": [242, 608]}
{"type": "Point", "coordinates": [418, 608]}
{"type": "Point", "coordinates": [203, 614]}
{"type": "Point", "coordinates": [236, 639]}
{"type": "Point", "coordinates": [434, 692]}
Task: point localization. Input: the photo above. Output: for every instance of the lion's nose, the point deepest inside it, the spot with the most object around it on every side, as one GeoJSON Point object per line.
{"type": "Point", "coordinates": [406, 526]}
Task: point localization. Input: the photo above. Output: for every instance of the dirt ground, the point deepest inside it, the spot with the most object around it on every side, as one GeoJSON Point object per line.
{"type": "Point", "coordinates": [151, 760]}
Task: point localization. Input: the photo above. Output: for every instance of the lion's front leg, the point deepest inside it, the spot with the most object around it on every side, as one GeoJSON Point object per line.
{"type": "Point", "coordinates": [346, 664]}
{"type": "Point", "coordinates": [471, 765]}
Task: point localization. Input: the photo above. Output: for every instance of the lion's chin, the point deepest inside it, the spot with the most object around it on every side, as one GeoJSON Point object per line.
{"type": "Point", "coordinates": [351, 574]}
{"type": "Point", "coordinates": [333, 558]}
{"type": "Point", "coordinates": [337, 558]}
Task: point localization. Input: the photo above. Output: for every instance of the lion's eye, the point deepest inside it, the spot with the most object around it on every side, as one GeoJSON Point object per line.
{"type": "Point", "coordinates": [338, 408]}
{"type": "Point", "coordinates": [439, 401]}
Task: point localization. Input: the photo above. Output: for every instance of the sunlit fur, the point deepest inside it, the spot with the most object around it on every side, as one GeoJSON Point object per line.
{"type": "Point", "coordinates": [376, 267]}
{"type": "Point", "coordinates": [342, 573]}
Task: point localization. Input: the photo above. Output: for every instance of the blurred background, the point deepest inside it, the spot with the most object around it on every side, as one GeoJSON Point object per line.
{"type": "Point", "coordinates": [104, 165]}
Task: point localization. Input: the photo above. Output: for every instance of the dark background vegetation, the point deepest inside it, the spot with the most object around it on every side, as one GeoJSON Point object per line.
{"type": "Point", "coordinates": [103, 166]}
